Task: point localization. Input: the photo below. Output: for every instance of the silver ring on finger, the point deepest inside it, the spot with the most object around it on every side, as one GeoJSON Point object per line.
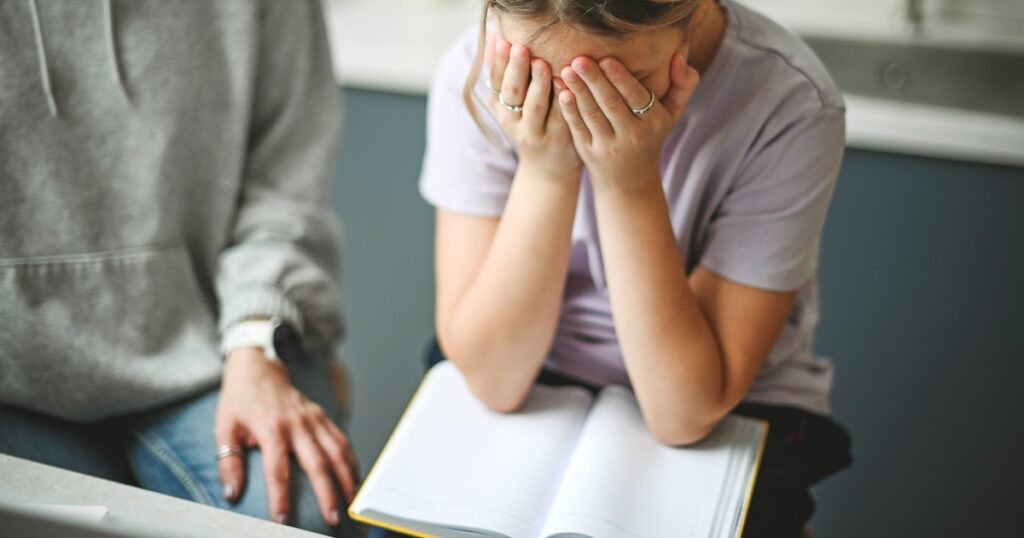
{"type": "Point", "coordinates": [489, 87]}
{"type": "Point", "coordinates": [515, 109]}
{"type": "Point", "coordinates": [227, 451]}
{"type": "Point", "coordinates": [640, 112]}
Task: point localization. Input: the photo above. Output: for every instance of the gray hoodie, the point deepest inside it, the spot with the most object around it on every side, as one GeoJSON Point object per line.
{"type": "Point", "coordinates": [164, 172]}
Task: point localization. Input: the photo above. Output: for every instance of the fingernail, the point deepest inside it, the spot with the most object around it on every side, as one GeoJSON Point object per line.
{"type": "Point", "coordinates": [535, 68]}
{"type": "Point", "coordinates": [229, 491]}
{"type": "Point", "coordinates": [281, 518]}
{"type": "Point", "coordinates": [334, 518]}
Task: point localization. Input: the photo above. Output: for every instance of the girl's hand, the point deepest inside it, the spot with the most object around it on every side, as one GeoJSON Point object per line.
{"type": "Point", "coordinates": [259, 407]}
{"type": "Point", "coordinates": [620, 149]}
{"type": "Point", "coordinates": [539, 132]}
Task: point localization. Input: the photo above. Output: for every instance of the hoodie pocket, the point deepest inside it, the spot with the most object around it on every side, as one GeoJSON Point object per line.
{"type": "Point", "coordinates": [87, 336]}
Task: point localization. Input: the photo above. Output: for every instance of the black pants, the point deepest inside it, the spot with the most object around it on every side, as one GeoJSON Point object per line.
{"type": "Point", "coordinates": [802, 449]}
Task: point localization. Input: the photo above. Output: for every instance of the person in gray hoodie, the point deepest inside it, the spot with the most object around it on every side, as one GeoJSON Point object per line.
{"type": "Point", "coordinates": [168, 258]}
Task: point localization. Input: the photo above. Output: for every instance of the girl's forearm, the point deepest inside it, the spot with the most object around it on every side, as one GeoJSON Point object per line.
{"type": "Point", "coordinates": [670, 350]}
{"type": "Point", "coordinates": [500, 330]}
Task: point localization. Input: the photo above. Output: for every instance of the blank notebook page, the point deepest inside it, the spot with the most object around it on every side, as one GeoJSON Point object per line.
{"type": "Point", "coordinates": [452, 459]}
{"type": "Point", "coordinates": [622, 483]}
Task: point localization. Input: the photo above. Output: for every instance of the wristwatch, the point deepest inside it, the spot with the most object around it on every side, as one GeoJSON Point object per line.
{"type": "Point", "coordinates": [278, 340]}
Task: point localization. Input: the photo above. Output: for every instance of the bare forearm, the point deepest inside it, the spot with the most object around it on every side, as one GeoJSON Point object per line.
{"type": "Point", "coordinates": [692, 344]}
{"type": "Point", "coordinates": [669, 348]}
{"type": "Point", "coordinates": [501, 328]}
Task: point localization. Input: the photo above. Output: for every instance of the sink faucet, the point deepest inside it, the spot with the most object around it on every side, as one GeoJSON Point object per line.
{"type": "Point", "coordinates": [915, 15]}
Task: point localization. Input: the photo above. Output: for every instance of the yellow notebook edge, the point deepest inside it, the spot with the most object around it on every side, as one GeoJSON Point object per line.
{"type": "Point", "coordinates": [753, 477]}
{"type": "Point", "coordinates": [369, 476]}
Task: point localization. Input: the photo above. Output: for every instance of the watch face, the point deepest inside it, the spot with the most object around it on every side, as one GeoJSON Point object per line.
{"type": "Point", "coordinates": [287, 343]}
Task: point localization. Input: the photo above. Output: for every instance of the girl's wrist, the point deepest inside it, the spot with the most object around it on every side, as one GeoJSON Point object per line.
{"type": "Point", "coordinates": [637, 181]}
{"type": "Point", "coordinates": [532, 171]}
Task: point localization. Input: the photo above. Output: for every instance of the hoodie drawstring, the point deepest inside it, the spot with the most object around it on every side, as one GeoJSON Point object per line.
{"type": "Point", "coordinates": [115, 67]}
{"type": "Point", "coordinates": [44, 69]}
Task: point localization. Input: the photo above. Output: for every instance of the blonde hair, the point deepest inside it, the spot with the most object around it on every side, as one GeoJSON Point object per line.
{"type": "Point", "coordinates": [610, 18]}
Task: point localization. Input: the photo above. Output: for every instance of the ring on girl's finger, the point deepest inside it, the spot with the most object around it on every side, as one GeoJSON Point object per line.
{"type": "Point", "coordinates": [640, 112]}
{"type": "Point", "coordinates": [515, 109]}
{"type": "Point", "coordinates": [489, 87]}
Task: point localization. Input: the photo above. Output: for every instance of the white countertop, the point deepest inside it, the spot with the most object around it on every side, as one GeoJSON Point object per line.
{"type": "Point", "coordinates": [969, 25]}
{"type": "Point", "coordinates": [395, 46]}
{"type": "Point", "coordinates": [96, 507]}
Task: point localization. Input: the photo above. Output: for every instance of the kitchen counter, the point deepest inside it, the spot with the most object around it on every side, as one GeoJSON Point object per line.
{"type": "Point", "coordinates": [40, 500]}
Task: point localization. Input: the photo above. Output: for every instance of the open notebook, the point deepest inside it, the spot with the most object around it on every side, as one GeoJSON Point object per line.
{"type": "Point", "coordinates": [567, 464]}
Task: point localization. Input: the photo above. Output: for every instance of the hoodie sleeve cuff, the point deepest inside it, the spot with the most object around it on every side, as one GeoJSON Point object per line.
{"type": "Point", "coordinates": [260, 302]}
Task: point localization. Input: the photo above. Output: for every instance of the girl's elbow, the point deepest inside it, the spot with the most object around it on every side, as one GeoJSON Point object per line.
{"type": "Point", "coordinates": [506, 405]}
{"type": "Point", "coordinates": [680, 433]}
{"type": "Point", "coordinates": [498, 397]}
{"type": "Point", "coordinates": [496, 390]}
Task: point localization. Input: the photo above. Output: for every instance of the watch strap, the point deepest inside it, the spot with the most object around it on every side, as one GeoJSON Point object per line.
{"type": "Point", "coordinates": [251, 333]}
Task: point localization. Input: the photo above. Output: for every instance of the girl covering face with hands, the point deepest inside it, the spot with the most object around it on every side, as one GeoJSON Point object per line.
{"type": "Point", "coordinates": [633, 192]}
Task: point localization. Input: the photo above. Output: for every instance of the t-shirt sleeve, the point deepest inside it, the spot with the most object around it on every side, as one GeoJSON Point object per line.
{"type": "Point", "coordinates": [464, 171]}
{"type": "Point", "coordinates": [767, 230]}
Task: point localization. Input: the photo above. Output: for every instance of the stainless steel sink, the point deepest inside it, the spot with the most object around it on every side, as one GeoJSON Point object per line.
{"type": "Point", "coordinates": [980, 80]}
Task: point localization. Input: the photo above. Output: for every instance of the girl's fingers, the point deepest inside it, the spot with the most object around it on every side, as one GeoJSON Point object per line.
{"type": "Point", "coordinates": [516, 78]}
{"type": "Point", "coordinates": [571, 114]}
{"type": "Point", "coordinates": [635, 94]}
{"type": "Point", "coordinates": [584, 105]}
{"type": "Point", "coordinates": [499, 60]}
{"type": "Point", "coordinates": [684, 82]}
{"type": "Point", "coordinates": [608, 98]}
{"type": "Point", "coordinates": [535, 107]}
{"type": "Point", "coordinates": [556, 121]}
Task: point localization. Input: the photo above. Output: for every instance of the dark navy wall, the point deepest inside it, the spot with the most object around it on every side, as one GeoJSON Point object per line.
{"type": "Point", "coordinates": [922, 290]}
{"type": "Point", "coordinates": [922, 286]}
{"type": "Point", "coordinates": [387, 266]}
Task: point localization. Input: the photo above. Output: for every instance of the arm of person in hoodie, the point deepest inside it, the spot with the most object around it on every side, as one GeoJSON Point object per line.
{"type": "Point", "coordinates": [283, 263]}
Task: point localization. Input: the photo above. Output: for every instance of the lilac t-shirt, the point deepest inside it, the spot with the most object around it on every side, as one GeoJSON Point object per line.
{"type": "Point", "coordinates": [748, 174]}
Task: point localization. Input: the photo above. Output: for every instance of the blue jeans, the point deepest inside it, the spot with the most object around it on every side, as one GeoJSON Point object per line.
{"type": "Point", "coordinates": [170, 450]}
